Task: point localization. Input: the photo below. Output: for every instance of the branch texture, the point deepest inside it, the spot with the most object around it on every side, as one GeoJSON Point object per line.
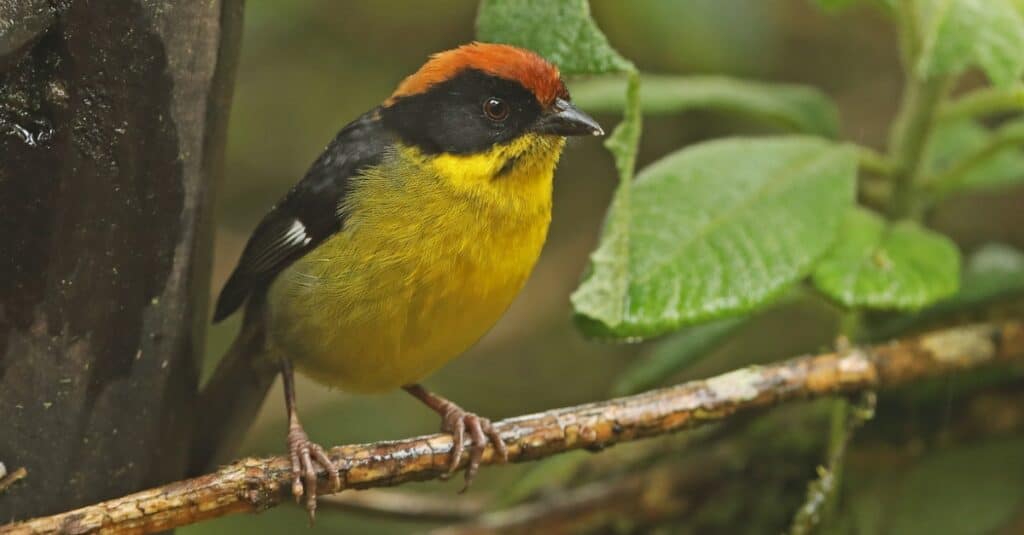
{"type": "Point", "coordinates": [253, 485]}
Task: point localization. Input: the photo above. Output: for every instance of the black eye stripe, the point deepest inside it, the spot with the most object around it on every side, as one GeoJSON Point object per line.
{"type": "Point", "coordinates": [453, 115]}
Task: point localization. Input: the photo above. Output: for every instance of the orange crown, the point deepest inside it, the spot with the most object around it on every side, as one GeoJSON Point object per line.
{"type": "Point", "coordinates": [503, 61]}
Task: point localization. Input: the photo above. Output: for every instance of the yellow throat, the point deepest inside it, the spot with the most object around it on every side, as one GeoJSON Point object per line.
{"type": "Point", "coordinates": [433, 250]}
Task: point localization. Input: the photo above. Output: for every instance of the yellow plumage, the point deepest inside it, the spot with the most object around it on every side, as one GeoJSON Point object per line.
{"type": "Point", "coordinates": [433, 250]}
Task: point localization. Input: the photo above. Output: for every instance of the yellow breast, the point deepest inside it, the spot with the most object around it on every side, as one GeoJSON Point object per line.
{"type": "Point", "coordinates": [432, 252]}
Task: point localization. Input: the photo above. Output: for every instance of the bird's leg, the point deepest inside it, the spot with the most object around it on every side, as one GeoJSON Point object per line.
{"type": "Point", "coordinates": [303, 452]}
{"type": "Point", "coordinates": [458, 422]}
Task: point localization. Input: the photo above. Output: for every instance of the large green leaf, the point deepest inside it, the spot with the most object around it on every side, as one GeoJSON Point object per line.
{"type": "Point", "coordinates": [793, 107]}
{"type": "Point", "coordinates": [714, 230]}
{"type": "Point", "coordinates": [899, 266]}
{"type": "Point", "coordinates": [953, 142]}
{"type": "Point", "coordinates": [560, 30]}
{"type": "Point", "coordinates": [957, 34]}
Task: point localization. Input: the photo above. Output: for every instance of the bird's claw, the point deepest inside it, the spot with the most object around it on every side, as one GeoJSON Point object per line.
{"type": "Point", "coordinates": [303, 454]}
{"type": "Point", "coordinates": [458, 423]}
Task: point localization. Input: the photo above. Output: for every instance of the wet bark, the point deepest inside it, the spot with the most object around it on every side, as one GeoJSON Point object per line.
{"type": "Point", "coordinates": [112, 125]}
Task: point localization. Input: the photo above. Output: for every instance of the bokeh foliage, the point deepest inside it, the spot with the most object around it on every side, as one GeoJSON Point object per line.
{"type": "Point", "coordinates": [760, 233]}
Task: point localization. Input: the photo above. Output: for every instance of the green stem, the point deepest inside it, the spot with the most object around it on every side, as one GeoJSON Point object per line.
{"type": "Point", "coordinates": [909, 136]}
{"type": "Point", "coordinates": [985, 102]}
{"type": "Point", "coordinates": [823, 492]}
{"type": "Point", "coordinates": [913, 124]}
{"type": "Point", "coordinates": [624, 141]}
{"type": "Point", "coordinates": [850, 324]}
{"type": "Point", "coordinates": [838, 438]}
{"type": "Point", "coordinates": [910, 41]}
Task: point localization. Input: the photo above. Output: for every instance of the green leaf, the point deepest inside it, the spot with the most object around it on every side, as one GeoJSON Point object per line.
{"type": "Point", "coordinates": [994, 272]}
{"type": "Point", "coordinates": [792, 107]}
{"type": "Point", "coordinates": [954, 142]}
{"type": "Point", "coordinates": [878, 265]}
{"type": "Point", "coordinates": [678, 351]}
{"type": "Point", "coordinates": [715, 230]}
{"type": "Point", "coordinates": [560, 30]}
{"type": "Point", "coordinates": [957, 34]}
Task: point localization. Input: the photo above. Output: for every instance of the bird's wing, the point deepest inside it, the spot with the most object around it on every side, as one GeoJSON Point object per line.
{"type": "Point", "coordinates": [307, 215]}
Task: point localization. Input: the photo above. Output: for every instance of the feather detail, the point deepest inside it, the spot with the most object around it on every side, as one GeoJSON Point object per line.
{"type": "Point", "coordinates": [532, 71]}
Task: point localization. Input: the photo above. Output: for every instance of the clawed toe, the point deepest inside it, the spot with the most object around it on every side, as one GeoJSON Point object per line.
{"type": "Point", "coordinates": [459, 423]}
{"type": "Point", "coordinates": [305, 455]}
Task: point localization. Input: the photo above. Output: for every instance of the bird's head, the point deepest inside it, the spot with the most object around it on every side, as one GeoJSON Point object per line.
{"type": "Point", "coordinates": [502, 106]}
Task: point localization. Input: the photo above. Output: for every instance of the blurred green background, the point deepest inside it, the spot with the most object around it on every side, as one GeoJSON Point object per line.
{"type": "Point", "coordinates": [309, 67]}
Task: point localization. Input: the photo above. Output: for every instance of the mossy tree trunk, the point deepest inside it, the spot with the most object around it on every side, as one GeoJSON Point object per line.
{"type": "Point", "coordinates": [112, 127]}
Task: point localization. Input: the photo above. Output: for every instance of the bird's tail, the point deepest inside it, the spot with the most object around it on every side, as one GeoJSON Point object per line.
{"type": "Point", "coordinates": [231, 399]}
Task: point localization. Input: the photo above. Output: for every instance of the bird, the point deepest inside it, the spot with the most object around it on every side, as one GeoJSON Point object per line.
{"type": "Point", "coordinates": [408, 238]}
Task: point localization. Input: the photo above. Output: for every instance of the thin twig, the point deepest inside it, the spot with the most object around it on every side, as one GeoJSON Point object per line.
{"type": "Point", "coordinates": [821, 493]}
{"type": "Point", "coordinates": [652, 494]}
{"type": "Point", "coordinates": [404, 505]}
{"type": "Point", "coordinates": [252, 485]}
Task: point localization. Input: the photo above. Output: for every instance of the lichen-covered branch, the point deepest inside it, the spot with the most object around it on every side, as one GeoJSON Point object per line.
{"type": "Point", "coordinates": [252, 485]}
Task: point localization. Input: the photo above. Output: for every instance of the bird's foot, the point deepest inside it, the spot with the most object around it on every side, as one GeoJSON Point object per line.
{"type": "Point", "coordinates": [459, 422]}
{"type": "Point", "coordinates": [304, 472]}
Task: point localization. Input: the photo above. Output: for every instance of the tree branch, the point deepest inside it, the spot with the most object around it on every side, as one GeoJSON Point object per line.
{"type": "Point", "coordinates": [685, 487]}
{"type": "Point", "coordinates": [253, 485]}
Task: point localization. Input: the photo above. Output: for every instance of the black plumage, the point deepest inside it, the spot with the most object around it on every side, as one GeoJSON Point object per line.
{"type": "Point", "coordinates": [308, 214]}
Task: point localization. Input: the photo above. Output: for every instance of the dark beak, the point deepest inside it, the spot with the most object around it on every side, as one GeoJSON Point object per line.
{"type": "Point", "coordinates": [564, 119]}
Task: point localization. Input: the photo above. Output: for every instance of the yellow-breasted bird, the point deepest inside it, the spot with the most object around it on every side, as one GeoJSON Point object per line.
{"type": "Point", "coordinates": [409, 237]}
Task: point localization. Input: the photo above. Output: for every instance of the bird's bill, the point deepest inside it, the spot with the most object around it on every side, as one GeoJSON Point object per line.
{"type": "Point", "coordinates": [564, 119]}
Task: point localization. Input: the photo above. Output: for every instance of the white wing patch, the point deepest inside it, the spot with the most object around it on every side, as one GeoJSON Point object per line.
{"type": "Point", "coordinates": [284, 244]}
{"type": "Point", "coordinates": [296, 234]}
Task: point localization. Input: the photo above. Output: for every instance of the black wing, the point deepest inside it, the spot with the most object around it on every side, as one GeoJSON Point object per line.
{"type": "Point", "coordinates": [308, 214]}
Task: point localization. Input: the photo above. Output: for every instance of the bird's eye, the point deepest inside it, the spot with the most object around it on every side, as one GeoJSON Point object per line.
{"type": "Point", "coordinates": [495, 109]}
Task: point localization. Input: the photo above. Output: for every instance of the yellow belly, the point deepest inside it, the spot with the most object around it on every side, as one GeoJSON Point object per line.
{"type": "Point", "coordinates": [424, 266]}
